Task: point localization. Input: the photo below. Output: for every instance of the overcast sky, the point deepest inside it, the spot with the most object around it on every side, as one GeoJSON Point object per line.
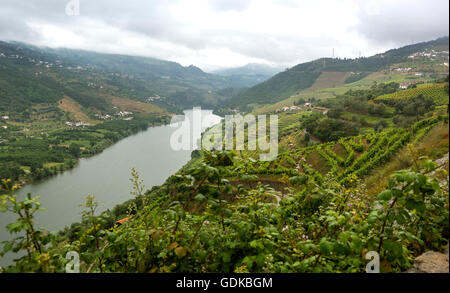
{"type": "Point", "coordinates": [214, 34]}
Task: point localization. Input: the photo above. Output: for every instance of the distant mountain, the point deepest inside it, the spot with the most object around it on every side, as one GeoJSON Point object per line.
{"type": "Point", "coordinates": [303, 76]}
{"type": "Point", "coordinates": [31, 74]}
{"type": "Point", "coordinates": [249, 69]}
{"type": "Point", "coordinates": [248, 75]}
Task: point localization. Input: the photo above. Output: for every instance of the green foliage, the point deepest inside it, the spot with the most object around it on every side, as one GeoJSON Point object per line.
{"type": "Point", "coordinates": [329, 129]}
{"type": "Point", "coordinates": [33, 241]}
{"type": "Point", "coordinates": [194, 224]}
{"type": "Point", "coordinates": [416, 106]}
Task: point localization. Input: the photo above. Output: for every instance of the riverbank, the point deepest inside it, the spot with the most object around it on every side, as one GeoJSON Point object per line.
{"type": "Point", "coordinates": [31, 158]}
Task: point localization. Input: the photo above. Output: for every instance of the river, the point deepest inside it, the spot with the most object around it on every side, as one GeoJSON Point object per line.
{"type": "Point", "coordinates": [107, 177]}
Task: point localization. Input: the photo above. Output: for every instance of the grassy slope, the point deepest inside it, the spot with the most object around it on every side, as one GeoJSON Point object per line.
{"type": "Point", "coordinates": [68, 105]}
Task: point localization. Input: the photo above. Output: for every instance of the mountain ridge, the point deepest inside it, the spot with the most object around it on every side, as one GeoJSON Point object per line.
{"type": "Point", "coordinates": [302, 76]}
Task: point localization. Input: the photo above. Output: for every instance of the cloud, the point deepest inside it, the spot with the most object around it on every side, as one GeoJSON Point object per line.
{"type": "Point", "coordinates": [224, 5]}
{"type": "Point", "coordinates": [223, 33]}
{"type": "Point", "coordinates": [403, 21]}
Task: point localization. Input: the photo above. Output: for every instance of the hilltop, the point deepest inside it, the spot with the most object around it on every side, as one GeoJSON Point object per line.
{"type": "Point", "coordinates": [250, 69]}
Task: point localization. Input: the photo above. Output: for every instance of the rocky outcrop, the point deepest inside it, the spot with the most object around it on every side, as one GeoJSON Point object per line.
{"type": "Point", "coordinates": [431, 262]}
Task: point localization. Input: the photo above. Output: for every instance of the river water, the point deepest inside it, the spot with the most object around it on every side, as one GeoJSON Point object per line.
{"type": "Point", "coordinates": [106, 176]}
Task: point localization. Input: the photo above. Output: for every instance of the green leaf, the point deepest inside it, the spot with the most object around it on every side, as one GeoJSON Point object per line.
{"type": "Point", "coordinates": [199, 197]}
{"type": "Point", "coordinates": [422, 179]}
{"type": "Point", "coordinates": [173, 245]}
{"type": "Point", "coordinates": [305, 249]}
{"type": "Point", "coordinates": [385, 195]}
{"type": "Point", "coordinates": [7, 247]}
{"type": "Point", "coordinates": [371, 219]}
{"type": "Point", "coordinates": [226, 257]}
{"type": "Point", "coordinates": [325, 246]}
{"type": "Point", "coordinates": [14, 227]}
{"type": "Point", "coordinates": [180, 252]}
{"type": "Point", "coordinates": [341, 248]}
{"type": "Point", "coordinates": [410, 177]}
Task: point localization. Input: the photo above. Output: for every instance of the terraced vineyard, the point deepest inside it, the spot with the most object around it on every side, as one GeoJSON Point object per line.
{"type": "Point", "coordinates": [344, 159]}
{"type": "Point", "coordinates": [434, 91]}
{"type": "Point", "coordinates": [290, 121]}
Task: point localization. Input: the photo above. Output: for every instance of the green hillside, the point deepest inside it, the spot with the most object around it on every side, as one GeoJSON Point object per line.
{"type": "Point", "coordinates": [86, 76]}
{"type": "Point", "coordinates": [302, 76]}
{"type": "Point", "coordinates": [437, 92]}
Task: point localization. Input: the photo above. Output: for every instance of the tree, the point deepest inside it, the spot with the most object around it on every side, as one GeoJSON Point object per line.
{"type": "Point", "coordinates": [25, 209]}
{"type": "Point", "coordinates": [74, 149]}
{"type": "Point", "coordinates": [307, 137]}
{"type": "Point", "coordinates": [363, 121]}
{"type": "Point", "coordinates": [381, 125]}
{"type": "Point", "coordinates": [335, 112]}
{"type": "Point", "coordinates": [418, 106]}
{"type": "Point", "coordinates": [138, 187]}
{"type": "Point", "coordinates": [88, 214]}
{"type": "Point", "coordinates": [380, 109]}
{"type": "Point", "coordinates": [300, 101]}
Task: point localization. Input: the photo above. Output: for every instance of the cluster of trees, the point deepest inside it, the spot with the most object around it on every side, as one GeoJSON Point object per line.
{"type": "Point", "coordinates": [404, 112]}
{"type": "Point", "coordinates": [334, 126]}
{"type": "Point", "coordinates": [357, 101]}
{"type": "Point", "coordinates": [11, 170]}
{"type": "Point", "coordinates": [415, 107]}
{"type": "Point", "coordinates": [302, 101]}
{"type": "Point", "coordinates": [329, 129]}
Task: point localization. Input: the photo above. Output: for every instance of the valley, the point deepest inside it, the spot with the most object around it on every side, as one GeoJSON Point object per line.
{"type": "Point", "coordinates": [360, 167]}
